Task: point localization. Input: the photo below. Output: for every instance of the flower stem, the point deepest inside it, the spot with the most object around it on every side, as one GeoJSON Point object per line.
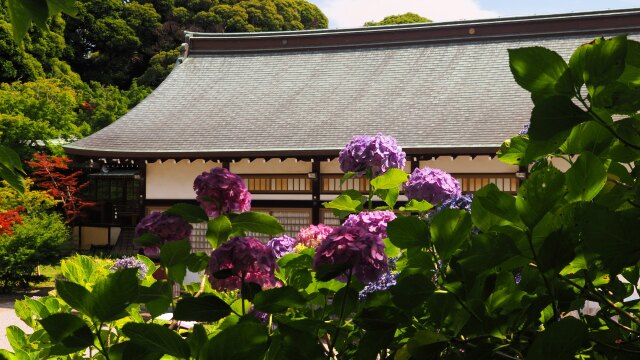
{"type": "Point", "coordinates": [344, 300]}
{"type": "Point", "coordinates": [241, 292]}
{"type": "Point", "coordinates": [370, 177]}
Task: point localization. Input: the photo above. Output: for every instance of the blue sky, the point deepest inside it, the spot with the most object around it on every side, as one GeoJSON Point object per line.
{"type": "Point", "coordinates": [352, 13]}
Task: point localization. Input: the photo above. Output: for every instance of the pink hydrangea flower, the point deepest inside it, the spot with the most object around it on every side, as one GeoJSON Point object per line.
{"type": "Point", "coordinates": [313, 235]}
{"type": "Point", "coordinates": [374, 222]}
{"type": "Point", "coordinates": [378, 153]}
{"type": "Point", "coordinates": [242, 256]}
{"type": "Point", "coordinates": [166, 227]}
{"type": "Point", "coordinates": [361, 251]}
{"type": "Point", "coordinates": [221, 191]}
{"type": "Point", "coordinates": [434, 185]}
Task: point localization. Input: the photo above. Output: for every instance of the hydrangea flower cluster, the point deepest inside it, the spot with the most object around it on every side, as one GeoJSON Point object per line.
{"type": "Point", "coordinates": [167, 227]}
{"type": "Point", "coordinates": [462, 202]}
{"type": "Point", "coordinates": [378, 153]}
{"type": "Point", "coordinates": [374, 222]}
{"type": "Point", "coordinates": [433, 185]}
{"type": "Point", "coordinates": [383, 283]}
{"type": "Point", "coordinates": [220, 191]}
{"type": "Point", "coordinates": [525, 130]}
{"type": "Point", "coordinates": [282, 245]}
{"type": "Point", "coordinates": [313, 235]}
{"type": "Point", "coordinates": [360, 250]}
{"type": "Point", "coordinates": [242, 256]}
{"type": "Point", "coordinates": [130, 262]}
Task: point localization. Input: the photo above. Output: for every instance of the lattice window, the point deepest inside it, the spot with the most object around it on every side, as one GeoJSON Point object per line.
{"type": "Point", "coordinates": [291, 219]}
{"type": "Point", "coordinates": [327, 218]}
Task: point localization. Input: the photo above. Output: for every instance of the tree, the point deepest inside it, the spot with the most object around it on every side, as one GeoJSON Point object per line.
{"type": "Point", "coordinates": [408, 18]}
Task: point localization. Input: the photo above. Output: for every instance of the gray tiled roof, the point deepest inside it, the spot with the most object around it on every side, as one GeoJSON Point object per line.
{"type": "Point", "coordinates": [429, 96]}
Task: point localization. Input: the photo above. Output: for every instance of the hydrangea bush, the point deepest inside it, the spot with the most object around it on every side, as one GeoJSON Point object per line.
{"type": "Point", "coordinates": [548, 273]}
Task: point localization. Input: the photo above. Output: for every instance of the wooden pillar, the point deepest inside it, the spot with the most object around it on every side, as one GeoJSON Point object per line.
{"type": "Point", "coordinates": [316, 182]}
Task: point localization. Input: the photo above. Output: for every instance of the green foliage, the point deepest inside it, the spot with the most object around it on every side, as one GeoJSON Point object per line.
{"type": "Point", "coordinates": [407, 18]}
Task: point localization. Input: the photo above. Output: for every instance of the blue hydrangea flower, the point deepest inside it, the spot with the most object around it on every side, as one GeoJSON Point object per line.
{"type": "Point", "coordinates": [130, 263]}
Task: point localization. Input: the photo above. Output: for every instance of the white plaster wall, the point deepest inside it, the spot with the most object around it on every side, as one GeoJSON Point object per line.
{"type": "Point", "coordinates": [465, 164]}
{"type": "Point", "coordinates": [272, 166]}
{"type": "Point", "coordinates": [174, 180]}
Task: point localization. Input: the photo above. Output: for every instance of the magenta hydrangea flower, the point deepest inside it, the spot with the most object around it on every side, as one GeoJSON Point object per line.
{"type": "Point", "coordinates": [360, 250]}
{"type": "Point", "coordinates": [242, 256]}
{"type": "Point", "coordinates": [282, 245]}
{"type": "Point", "coordinates": [374, 222]}
{"type": "Point", "coordinates": [313, 235]}
{"type": "Point", "coordinates": [220, 191]}
{"type": "Point", "coordinates": [378, 153]}
{"type": "Point", "coordinates": [434, 185]}
{"type": "Point", "coordinates": [167, 227]}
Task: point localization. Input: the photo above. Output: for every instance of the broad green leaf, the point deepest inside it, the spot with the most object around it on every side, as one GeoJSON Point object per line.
{"type": "Point", "coordinates": [586, 177]}
{"type": "Point", "coordinates": [156, 297]}
{"type": "Point", "coordinates": [190, 213]}
{"type": "Point", "coordinates": [244, 341]}
{"type": "Point", "coordinates": [76, 296]}
{"type": "Point", "coordinates": [629, 130]}
{"type": "Point", "coordinates": [506, 297]}
{"type": "Point", "coordinates": [450, 228]}
{"type": "Point", "coordinates": [412, 288]}
{"type": "Point", "coordinates": [414, 205]}
{"type": "Point", "coordinates": [68, 330]}
{"type": "Point", "coordinates": [206, 308]}
{"type": "Point", "coordinates": [389, 196]}
{"type": "Point", "coordinates": [631, 74]}
{"type": "Point", "coordinates": [540, 193]}
{"type": "Point", "coordinates": [588, 136]}
{"type": "Point", "coordinates": [14, 179]}
{"type": "Point", "coordinates": [540, 70]}
{"type": "Point", "coordinates": [114, 293]}
{"type": "Point", "coordinates": [446, 312]}
{"type": "Point", "coordinates": [552, 119]}
{"type": "Point", "coordinates": [344, 203]}
{"type": "Point", "coordinates": [601, 61]}
{"type": "Point", "coordinates": [561, 340]}
{"type": "Point", "coordinates": [17, 338]}
{"type": "Point", "coordinates": [157, 337]}
{"type": "Point", "coordinates": [348, 175]}
{"type": "Point", "coordinates": [425, 343]}
{"type": "Point", "coordinates": [175, 253]}
{"type": "Point", "coordinates": [328, 272]}
{"type": "Point", "coordinates": [492, 209]}
{"type": "Point", "coordinates": [391, 179]}
{"type": "Point", "coordinates": [513, 151]}
{"type": "Point", "coordinates": [249, 290]}
{"type": "Point", "coordinates": [406, 232]}
{"type": "Point", "coordinates": [197, 261]}
{"type": "Point", "coordinates": [278, 299]}
{"type": "Point", "coordinates": [218, 230]}
{"type": "Point", "coordinates": [127, 350]}
{"type": "Point", "coordinates": [257, 222]}
{"type": "Point", "coordinates": [23, 12]}
{"type": "Point", "coordinates": [197, 339]}
{"type": "Point", "coordinates": [66, 6]}
{"type": "Point", "coordinates": [390, 250]}
{"type": "Point", "coordinates": [147, 239]}
{"type": "Point", "coordinates": [10, 159]}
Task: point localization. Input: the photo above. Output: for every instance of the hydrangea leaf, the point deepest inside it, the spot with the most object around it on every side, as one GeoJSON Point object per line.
{"type": "Point", "coordinates": [147, 239]}
{"type": "Point", "coordinates": [344, 203]}
{"type": "Point", "coordinates": [492, 209]}
{"type": "Point", "coordinates": [257, 222]}
{"type": "Point", "coordinates": [17, 337]}
{"type": "Point", "coordinates": [326, 272]}
{"type": "Point", "coordinates": [412, 288]}
{"type": "Point", "coordinates": [218, 231]}
{"type": "Point", "coordinates": [68, 330]}
{"type": "Point", "coordinates": [197, 261]}
{"type": "Point", "coordinates": [190, 213]}
{"type": "Point", "coordinates": [76, 296]}
{"type": "Point", "coordinates": [450, 228]}
{"type": "Point", "coordinates": [130, 350]}
{"type": "Point", "coordinates": [560, 340]}
{"type": "Point", "coordinates": [112, 294]}
{"type": "Point", "coordinates": [391, 179]}
{"type": "Point", "coordinates": [406, 232]}
{"type": "Point", "coordinates": [158, 337]}
{"type": "Point", "coordinates": [540, 70]}
{"type": "Point", "coordinates": [206, 308]}
{"type": "Point", "coordinates": [414, 205]}
{"type": "Point", "coordinates": [156, 298]}
{"type": "Point", "coordinates": [425, 343]}
{"type": "Point", "coordinates": [631, 74]}
{"type": "Point", "coordinates": [389, 196]}
{"type": "Point", "coordinates": [174, 253]}
{"type": "Point", "coordinates": [279, 299]}
{"type": "Point", "coordinates": [599, 62]}
{"type": "Point", "coordinates": [586, 177]}
{"type": "Point", "coordinates": [513, 151]}
{"type": "Point", "coordinates": [588, 136]}
{"type": "Point", "coordinates": [539, 194]}
{"type": "Point", "coordinates": [244, 341]}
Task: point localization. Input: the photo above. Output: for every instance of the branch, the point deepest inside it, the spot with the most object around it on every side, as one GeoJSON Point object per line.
{"type": "Point", "coordinates": [606, 126]}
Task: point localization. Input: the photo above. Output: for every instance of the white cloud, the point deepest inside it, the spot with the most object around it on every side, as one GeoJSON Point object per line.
{"type": "Point", "coordinates": [354, 13]}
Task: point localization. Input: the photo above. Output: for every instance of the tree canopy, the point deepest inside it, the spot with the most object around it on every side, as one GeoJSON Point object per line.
{"type": "Point", "coordinates": [408, 18]}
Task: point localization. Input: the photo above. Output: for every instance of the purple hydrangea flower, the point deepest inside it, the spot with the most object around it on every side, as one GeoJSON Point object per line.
{"type": "Point", "coordinates": [378, 153]}
{"type": "Point", "coordinates": [242, 256]}
{"type": "Point", "coordinates": [383, 283]}
{"type": "Point", "coordinates": [462, 202]}
{"type": "Point", "coordinates": [221, 191]}
{"type": "Point", "coordinates": [130, 262]}
{"type": "Point", "coordinates": [525, 130]}
{"type": "Point", "coordinates": [167, 227]}
{"type": "Point", "coordinates": [313, 235]}
{"type": "Point", "coordinates": [434, 185]}
{"type": "Point", "coordinates": [282, 245]}
{"type": "Point", "coordinates": [374, 222]}
{"type": "Point", "coordinates": [360, 250]}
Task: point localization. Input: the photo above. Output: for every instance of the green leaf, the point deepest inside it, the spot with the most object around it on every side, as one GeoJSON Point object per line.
{"type": "Point", "coordinates": [405, 232]}
{"type": "Point", "coordinates": [249, 290]}
{"type": "Point", "coordinates": [389, 196]}
{"type": "Point", "coordinates": [419, 206]}
{"type": "Point", "coordinates": [539, 194]}
{"type": "Point", "coordinates": [540, 70]}
{"type": "Point", "coordinates": [278, 299]}
{"type": "Point", "coordinates": [586, 177]}
{"type": "Point", "coordinates": [156, 297]}
{"type": "Point", "coordinates": [425, 343]}
{"type": "Point", "coordinates": [412, 288]}
{"type": "Point", "coordinates": [66, 6]}
{"type": "Point", "coordinates": [147, 239]}
{"type": "Point", "coordinates": [114, 293]}
{"type": "Point", "coordinates": [23, 12]}
{"type": "Point", "coordinates": [157, 337]}
{"type": "Point", "coordinates": [68, 330]}
{"type": "Point", "coordinates": [327, 272]}
{"type": "Point", "coordinates": [599, 62]}
{"type": "Point", "coordinates": [197, 339]}
{"type": "Point", "coordinates": [391, 179]}
{"type": "Point", "coordinates": [492, 209]}
{"type": "Point", "coordinates": [631, 74]}
{"type": "Point", "coordinates": [390, 250]}
{"type": "Point", "coordinates": [218, 230]}
{"type": "Point", "coordinates": [206, 308]}
{"type": "Point", "coordinates": [561, 340]}
{"type": "Point", "coordinates": [17, 338]}
{"type": "Point", "coordinates": [257, 222]}
{"type": "Point", "coordinates": [197, 262]}
{"type": "Point", "coordinates": [450, 228]}
{"type": "Point", "coordinates": [552, 119]}
{"type": "Point", "coordinates": [244, 341]}
{"type": "Point", "coordinates": [513, 151]}
{"type": "Point", "coordinates": [348, 175]}
{"type": "Point", "coordinates": [190, 213]}
{"type": "Point", "coordinates": [13, 178]}
{"type": "Point", "coordinates": [344, 203]}
{"type": "Point", "coordinates": [507, 297]}
{"type": "Point", "coordinates": [174, 256]}
{"type": "Point", "coordinates": [128, 350]}
{"type": "Point", "coordinates": [588, 136]}
{"type": "Point", "coordinates": [76, 296]}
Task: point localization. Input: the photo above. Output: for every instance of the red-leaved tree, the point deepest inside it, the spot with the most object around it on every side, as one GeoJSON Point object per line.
{"type": "Point", "coordinates": [52, 173]}
{"type": "Point", "coordinates": [9, 218]}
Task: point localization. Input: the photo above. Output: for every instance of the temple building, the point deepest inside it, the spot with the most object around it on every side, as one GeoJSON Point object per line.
{"type": "Point", "coordinates": [276, 108]}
